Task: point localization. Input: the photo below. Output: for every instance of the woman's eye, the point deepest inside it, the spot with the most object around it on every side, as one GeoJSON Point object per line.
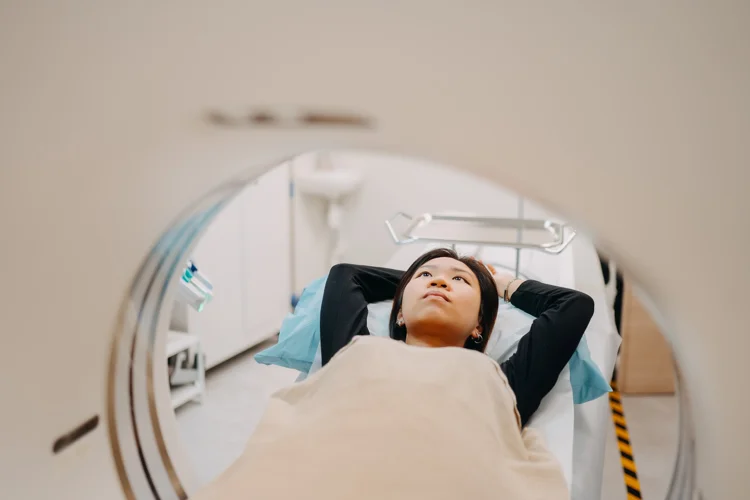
{"type": "Point", "coordinates": [424, 273]}
{"type": "Point", "coordinates": [460, 278]}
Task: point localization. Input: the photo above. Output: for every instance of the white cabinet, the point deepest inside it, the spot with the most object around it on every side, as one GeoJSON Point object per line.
{"type": "Point", "coordinates": [218, 255]}
{"type": "Point", "coordinates": [266, 245]}
{"type": "Point", "coordinates": [246, 254]}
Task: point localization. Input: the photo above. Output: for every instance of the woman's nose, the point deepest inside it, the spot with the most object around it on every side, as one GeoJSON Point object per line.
{"type": "Point", "coordinates": [439, 282]}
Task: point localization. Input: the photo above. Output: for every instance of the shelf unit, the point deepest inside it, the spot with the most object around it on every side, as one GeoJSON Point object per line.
{"type": "Point", "coordinates": [178, 342]}
{"type": "Point", "coordinates": [185, 394]}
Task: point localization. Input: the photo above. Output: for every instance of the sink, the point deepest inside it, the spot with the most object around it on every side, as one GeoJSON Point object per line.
{"type": "Point", "coordinates": [332, 184]}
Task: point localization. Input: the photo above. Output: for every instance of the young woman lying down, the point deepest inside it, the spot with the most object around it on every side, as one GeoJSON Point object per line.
{"type": "Point", "coordinates": [424, 414]}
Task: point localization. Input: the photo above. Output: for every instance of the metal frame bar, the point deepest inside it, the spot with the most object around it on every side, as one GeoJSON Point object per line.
{"type": "Point", "coordinates": [562, 234]}
{"type": "Point", "coordinates": [519, 238]}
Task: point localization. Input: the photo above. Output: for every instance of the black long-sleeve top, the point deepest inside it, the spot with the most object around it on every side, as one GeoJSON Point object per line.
{"type": "Point", "coordinates": [562, 316]}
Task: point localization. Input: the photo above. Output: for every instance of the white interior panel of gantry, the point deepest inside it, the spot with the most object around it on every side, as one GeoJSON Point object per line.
{"type": "Point", "coordinates": [631, 119]}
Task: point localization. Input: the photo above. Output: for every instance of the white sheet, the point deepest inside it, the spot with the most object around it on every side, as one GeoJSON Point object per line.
{"type": "Point", "coordinates": [592, 419]}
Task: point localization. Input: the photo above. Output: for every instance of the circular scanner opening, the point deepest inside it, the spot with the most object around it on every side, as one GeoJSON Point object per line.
{"type": "Point", "coordinates": [186, 393]}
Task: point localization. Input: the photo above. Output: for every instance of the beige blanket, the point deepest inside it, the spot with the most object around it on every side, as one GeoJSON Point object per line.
{"type": "Point", "coordinates": [384, 420]}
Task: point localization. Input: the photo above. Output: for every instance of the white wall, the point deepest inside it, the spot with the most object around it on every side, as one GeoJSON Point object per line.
{"type": "Point", "coordinates": [250, 240]}
{"type": "Point", "coordinates": [310, 252]}
{"type": "Point", "coordinates": [391, 184]}
{"type": "Point", "coordinates": [245, 252]}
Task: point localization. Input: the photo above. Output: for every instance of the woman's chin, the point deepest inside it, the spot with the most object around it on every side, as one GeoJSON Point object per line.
{"type": "Point", "coordinates": [434, 322]}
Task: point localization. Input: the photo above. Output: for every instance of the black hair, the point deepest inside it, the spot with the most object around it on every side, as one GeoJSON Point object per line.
{"type": "Point", "coordinates": [488, 304]}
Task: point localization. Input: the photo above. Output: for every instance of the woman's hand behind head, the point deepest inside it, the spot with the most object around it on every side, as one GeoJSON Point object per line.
{"type": "Point", "coordinates": [502, 278]}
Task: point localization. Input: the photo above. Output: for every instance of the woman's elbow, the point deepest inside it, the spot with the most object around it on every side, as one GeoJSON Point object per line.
{"type": "Point", "coordinates": [578, 313]}
{"type": "Point", "coordinates": [584, 306]}
{"type": "Point", "coordinates": [342, 271]}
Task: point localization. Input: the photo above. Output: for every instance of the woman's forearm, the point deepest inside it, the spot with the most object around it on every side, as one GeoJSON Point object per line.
{"type": "Point", "coordinates": [507, 285]}
{"type": "Point", "coordinates": [562, 316]}
{"type": "Point", "coordinates": [343, 312]}
{"type": "Point", "coordinates": [537, 298]}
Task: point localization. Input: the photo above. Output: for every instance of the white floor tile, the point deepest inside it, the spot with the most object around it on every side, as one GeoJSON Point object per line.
{"type": "Point", "coordinates": [215, 432]}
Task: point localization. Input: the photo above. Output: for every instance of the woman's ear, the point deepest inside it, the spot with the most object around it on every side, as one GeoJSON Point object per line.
{"type": "Point", "coordinates": [400, 319]}
{"type": "Point", "coordinates": [477, 331]}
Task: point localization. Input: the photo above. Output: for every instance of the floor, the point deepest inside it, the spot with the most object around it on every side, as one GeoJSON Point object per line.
{"type": "Point", "coordinates": [652, 424]}
{"type": "Point", "coordinates": [214, 432]}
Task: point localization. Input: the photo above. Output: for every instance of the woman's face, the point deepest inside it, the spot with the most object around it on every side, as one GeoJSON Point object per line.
{"type": "Point", "coordinates": [442, 298]}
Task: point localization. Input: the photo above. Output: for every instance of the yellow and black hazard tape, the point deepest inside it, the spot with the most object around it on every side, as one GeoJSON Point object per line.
{"type": "Point", "coordinates": [623, 442]}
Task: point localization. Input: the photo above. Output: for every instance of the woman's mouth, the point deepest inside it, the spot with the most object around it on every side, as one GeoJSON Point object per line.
{"type": "Point", "coordinates": [435, 293]}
